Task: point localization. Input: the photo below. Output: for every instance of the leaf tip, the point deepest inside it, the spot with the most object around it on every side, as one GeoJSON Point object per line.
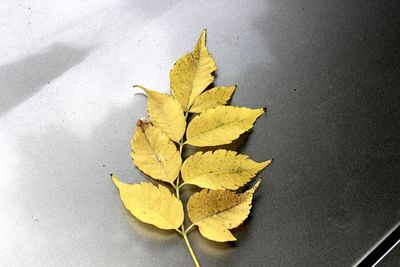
{"type": "Point", "coordinates": [137, 86]}
{"type": "Point", "coordinates": [115, 180]}
{"type": "Point", "coordinates": [202, 38]}
{"type": "Point", "coordinates": [255, 186]}
{"type": "Point", "coordinates": [141, 87]}
{"type": "Point", "coordinates": [267, 162]}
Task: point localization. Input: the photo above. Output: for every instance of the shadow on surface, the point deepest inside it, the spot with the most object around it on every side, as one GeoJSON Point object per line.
{"type": "Point", "coordinates": [21, 79]}
{"type": "Point", "coordinates": [69, 202]}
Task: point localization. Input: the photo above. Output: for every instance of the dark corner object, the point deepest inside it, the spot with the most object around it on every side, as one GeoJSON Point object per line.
{"type": "Point", "coordinates": [382, 248]}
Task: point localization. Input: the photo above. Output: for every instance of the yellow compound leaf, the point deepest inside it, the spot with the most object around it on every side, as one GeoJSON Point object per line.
{"type": "Point", "coordinates": [154, 154]}
{"type": "Point", "coordinates": [166, 114]}
{"type": "Point", "coordinates": [151, 204]}
{"type": "Point", "coordinates": [222, 169]}
{"type": "Point", "coordinates": [220, 125]}
{"type": "Point", "coordinates": [217, 211]}
{"type": "Point", "coordinates": [192, 73]}
{"type": "Point", "coordinates": [217, 208]}
{"type": "Point", "coordinates": [212, 98]}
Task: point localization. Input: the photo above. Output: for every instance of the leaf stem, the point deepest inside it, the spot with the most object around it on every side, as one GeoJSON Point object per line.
{"type": "Point", "coordinates": [180, 147]}
{"type": "Point", "coordinates": [186, 115]}
{"type": "Point", "coordinates": [189, 228]}
{"type": "Point", "coordinates": [177, 186]}
{"type": "Point", "coordinates": [177, 189]}
{"type": "Point", "coordinates": [182, 232]}
{"type": "Point", "coordinates": [179, 232]}
{"type": "Point", "coordinates": [196, 262]}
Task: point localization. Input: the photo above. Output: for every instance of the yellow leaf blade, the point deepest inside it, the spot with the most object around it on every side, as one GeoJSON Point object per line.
{"type": "Point", "coordinates": [192, 73]}
{"type": "Point", "coordinates": [154, 154]}
{"type": "Point", "coordinates": [217, 211]}
{"type": "Point", "coordinates": [151, 204]}
{"type": "Point", "coordinates": [166, 114]}
{"type": "Point", "coordinates": [221, 169]}
{"type": "Point", "coordinates": [220, 125]}
{"type": "Point", "coordinates": [215, 231]}
{"type": "Point", "coordinates": [212, 98]}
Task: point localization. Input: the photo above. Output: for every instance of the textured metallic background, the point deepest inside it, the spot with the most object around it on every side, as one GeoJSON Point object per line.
{"type": "Point", "coordinates": [328, 71]}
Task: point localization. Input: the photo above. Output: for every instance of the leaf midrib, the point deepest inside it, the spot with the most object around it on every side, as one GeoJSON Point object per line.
{"type": "Point", "coordinates": [165, 118]}
{"type": "Point", "coordinates": [195, 77]}
{"type": "Point", "coordinates": [217, 213]}
{"type": "Point", "coordinates": [216, 128]}
{"type": "Point", "coordinates": [156, 156]}
{"type": "Point", "coordinates": [218, 173]}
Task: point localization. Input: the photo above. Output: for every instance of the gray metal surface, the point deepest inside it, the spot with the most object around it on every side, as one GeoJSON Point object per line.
{"type": "Point", "coordinates": [328, 71]}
